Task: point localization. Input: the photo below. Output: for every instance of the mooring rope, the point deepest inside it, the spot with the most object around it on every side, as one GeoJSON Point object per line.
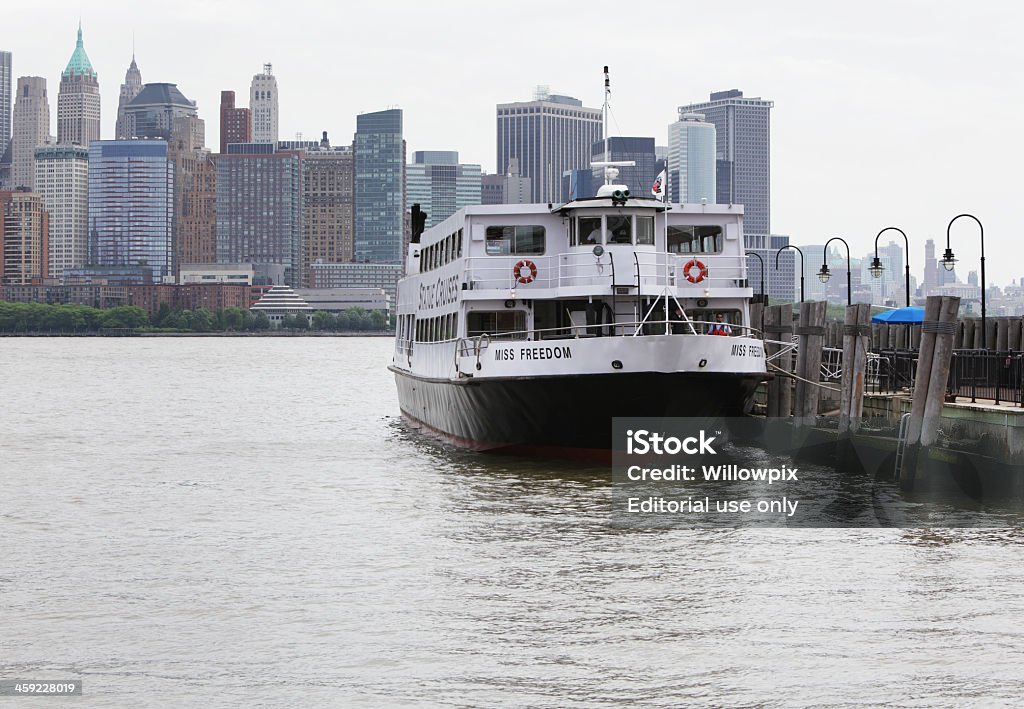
{"type": "Point", "coordinates": [794, 376]}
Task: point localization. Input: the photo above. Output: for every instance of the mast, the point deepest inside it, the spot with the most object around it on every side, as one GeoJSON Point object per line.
{"type": "Point", "coordinates": [604, 123]}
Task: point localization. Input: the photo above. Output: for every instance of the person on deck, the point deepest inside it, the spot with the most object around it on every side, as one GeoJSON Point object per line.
{"type": "Point", "coordinates": [720, 327]}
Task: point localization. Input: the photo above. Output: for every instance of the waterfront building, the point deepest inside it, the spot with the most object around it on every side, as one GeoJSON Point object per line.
{"type": "Point", "coordinates": [131, 205]}
{"type": "Point", "coordinates": [259, 207]}
{"type": "Point", "coordinates": [280, 302]}
{"type": "Point", "coordinates": [195, 193]}
{"type": "Point", "coordinates": [108, 276]}
{"type": "Point", "coordinates": [336, 300]}
{"type": "Point", "coordinates": [235, 122]}
{"type": "Point", "coordinates": [31, 126]}
{"type": "Point", "coordinates": [131, 88]}
{"type": "Point", "coordinates": [743, 157]}
{"type": "Point", "coordinates": [237, 273]}
{"type": "Point", "coordinates": [24, 232]}
{"type": "Point", "coordinates": [6, 96]}
{"type": "Point", "coordinates": [379, 188]}
{"type": "Point", "coordinates": [328, 205]}
{"type": "Point", "coordinates": [510, 188]}
{"type": "Point", "coordinates": [152, 112]}
{"type": "Point", "coordinates": [62, 178]}
{"type": "Point", "coordinates": [548, 136]}
{"type": "Point", "coordinates": [440, 184]}
{"type": "Point", "coordinates": [263, 106]}
{"type": "Point", "coordinates": [78, 100]}
{"type": "Point", "coordinates": [691, 160]}
{"type": "Point", "coordinates": [357, 275]}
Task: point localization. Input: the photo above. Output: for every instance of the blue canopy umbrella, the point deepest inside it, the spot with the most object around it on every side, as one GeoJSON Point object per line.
{"type": "Point", "coordinates": [913, 315]}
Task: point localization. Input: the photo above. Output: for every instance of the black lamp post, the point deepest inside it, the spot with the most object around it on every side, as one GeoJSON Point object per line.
{"type": "Point", "coordinates": [877, 267]}
{"type": "Point", "coordinates": [949, 263]}
{"type": "Point", "coordinates": [754, 253]}
{"type": "Point", "coordinates": [824, 274]}
{"type": "Point", "coordinates": [790, 246]}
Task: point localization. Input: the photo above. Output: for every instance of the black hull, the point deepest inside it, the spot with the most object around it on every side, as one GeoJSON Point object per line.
{"type": "Point", "coordinates": [571, 412]}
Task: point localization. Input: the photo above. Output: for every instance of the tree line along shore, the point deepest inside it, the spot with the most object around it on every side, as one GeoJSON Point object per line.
{"type": "Point", "coordinates": [33, 318]}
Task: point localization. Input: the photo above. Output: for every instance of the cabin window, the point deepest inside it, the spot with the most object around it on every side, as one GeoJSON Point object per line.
{"type": "Point", "coordinates": [458, 249]}
{"type": "Point", "coordinates": [645, 231]}
{"type": "Point", "coordinates": [590, 230]}
{"type": "Point", "coordinates": [572, 233]}
{"type": "Point", "coordinates": [501, 324]}
{"type": "Point", "coordinates": [515, 240]}
{"type": "Point", "coordinates": [620, 229]}
{"type": "Point", "coordinates": [694, 239]}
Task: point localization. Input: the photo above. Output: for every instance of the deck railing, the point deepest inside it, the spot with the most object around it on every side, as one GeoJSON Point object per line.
{"type": "Point", "coordinates": [646, 270]}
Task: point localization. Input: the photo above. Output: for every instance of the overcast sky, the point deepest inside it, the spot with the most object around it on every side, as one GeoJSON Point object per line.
{"type": "Point", "coordinates": [886, 113]}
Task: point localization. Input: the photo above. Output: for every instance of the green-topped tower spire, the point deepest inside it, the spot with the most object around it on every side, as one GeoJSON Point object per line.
{"type": "Point", "coordinates": [78, 103]}
{"type": "Point", "coordinates": [79, 62]}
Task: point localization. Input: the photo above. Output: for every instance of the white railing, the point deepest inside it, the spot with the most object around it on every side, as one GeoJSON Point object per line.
{"type": "Point", "coordinates": [650, 271]}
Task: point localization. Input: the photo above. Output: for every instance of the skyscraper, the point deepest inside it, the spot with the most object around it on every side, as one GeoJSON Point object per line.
{"type": "Point", "coordinates": [78, 100]}
{"type": "Point", "coordinates": [31, 123]}
{"type": "Point", "coordinates": [259, 207]}
{"type": "Point", "coordinates": [152, 112]}
{"type": "Point", "coordinates": [131, 204]}
{"type": "Point", "coordinates": [62, 179]}
{"type": "Point", "coordinates": [235, 123]}
{"type": "Point", "coordinates": [548, 136]}
{"type": "Point", "coordinates": [742, 128]}
{"type": "Point", "coordinates": [195, 226]}
{"type": "Point", "coordinates": [380, 187]}
{"type": "Point", "coordinates": [638, 177]}
{"type": "Point", "coordinates": [328, 205]}
{"type": "Point", "coordinates": [263, 105]}
{"type": "Point", "coordinates": [23, 238]}
{"type": "Point", "coordinates": [6, 92]}
{"type": "Point", "coordinates": [510, 188]}
{"type": "Point", "coordinates": [691, 160]}
{"type": "Point", "coordinates": [129, 90]}
{"type": "Point", "coordinates": [440, 184]}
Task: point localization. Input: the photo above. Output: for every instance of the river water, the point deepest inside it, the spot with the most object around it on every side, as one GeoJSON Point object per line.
{"type": "Point", "coordinates": [247, 521]}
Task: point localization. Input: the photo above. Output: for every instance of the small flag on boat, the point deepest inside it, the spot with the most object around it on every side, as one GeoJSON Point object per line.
{"type": "Point", "coordinates": [658, 188]}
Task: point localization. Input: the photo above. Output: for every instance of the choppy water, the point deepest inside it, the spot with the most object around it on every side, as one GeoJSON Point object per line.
{"type": "Point", "coordinates": [228, 522]}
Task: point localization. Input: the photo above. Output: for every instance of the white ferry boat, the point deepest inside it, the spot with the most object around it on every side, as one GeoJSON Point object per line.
{"type": "Point", "coordinates": [529, 327]}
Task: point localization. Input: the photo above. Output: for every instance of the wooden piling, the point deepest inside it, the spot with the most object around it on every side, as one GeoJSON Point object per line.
{"type": "Point", "coordinates": [932, 309]}
{"type": "Point", "coordinates": [939, 375]}
{"type": "Point", "coordinates": [990, 333]}
{"type": "Point", "coordinates": [855, 354]}
{"type": "Point", "coordinates": [812, 335]}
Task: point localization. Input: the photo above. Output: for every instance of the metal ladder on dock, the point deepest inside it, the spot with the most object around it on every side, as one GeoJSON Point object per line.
{"type": "Point", "coordinates": [901, 445]}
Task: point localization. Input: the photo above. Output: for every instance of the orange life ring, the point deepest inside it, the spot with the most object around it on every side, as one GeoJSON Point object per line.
{"type": "Point", "coordinates": [702, 271]}
{"type": "Point", "coordinates": [517, 271]}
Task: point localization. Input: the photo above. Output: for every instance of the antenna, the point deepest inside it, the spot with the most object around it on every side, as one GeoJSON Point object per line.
{"type": "Point", "coordinates": [611, 171]}
{"type": "Point", "coordinates": [604, 127]}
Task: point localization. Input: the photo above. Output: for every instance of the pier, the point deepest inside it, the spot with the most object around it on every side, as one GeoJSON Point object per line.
{"type": "Point", "coordinates": [933, 405]}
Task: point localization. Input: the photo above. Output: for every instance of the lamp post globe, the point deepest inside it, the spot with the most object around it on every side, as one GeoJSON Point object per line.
{"type": "Point", "coordinates": [949, 260]}
{"type": "Point", "coordinates": [824, 274]}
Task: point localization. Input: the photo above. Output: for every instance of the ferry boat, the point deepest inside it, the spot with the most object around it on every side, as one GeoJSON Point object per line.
{"type": "Point", "coordinates": [528, 327]}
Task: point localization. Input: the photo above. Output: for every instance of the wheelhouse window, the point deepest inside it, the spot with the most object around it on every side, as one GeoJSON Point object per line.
{"type": "Point", "coordinates": [695, 239]}
{"type": "Point", "coordinates": [645, 231]}
{"type": "Point", "coordinates": [590, 230]}
{"type": "Point", "coordinates": [620, 229]}
{"type": "Point", "coordinates": [501, 324]}
{"type": "Point", "coordinates": [515, 240]}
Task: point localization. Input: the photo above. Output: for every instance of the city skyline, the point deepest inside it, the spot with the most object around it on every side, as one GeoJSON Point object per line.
{"type": "Point", "coordinates": [857, 141]}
